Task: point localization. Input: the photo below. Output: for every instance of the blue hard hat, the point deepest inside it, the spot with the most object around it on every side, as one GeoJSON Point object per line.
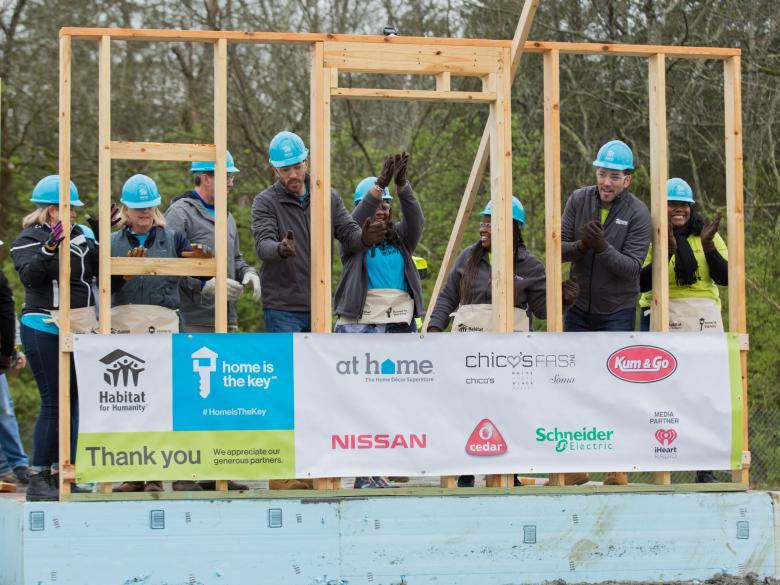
{"type": "Point", "coordinates": [363, 187]}
{"type": "Point", "coordinates": [518, 212]}
{"type": "Point", "coordinates": [47, 191]}
{"type": "Point", "coordinates": [208, 166]}
{"type": "Point", "coordinates": [286, 149]}
{"type": "Point", "coordinates": [679, 190]}
{"type": "Point", "coordinates": [615, 155]}
{"type": "Point", "coordinates": [140, 192]}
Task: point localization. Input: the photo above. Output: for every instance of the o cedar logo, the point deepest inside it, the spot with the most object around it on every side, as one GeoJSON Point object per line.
{"type": "Point", "coordinates": [641, 364]}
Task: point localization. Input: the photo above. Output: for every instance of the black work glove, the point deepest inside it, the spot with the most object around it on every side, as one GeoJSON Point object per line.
{"type": "Point", "coordinates": [287, 245]}
{"type": "Point", "coordinates": [593, 236]}
{"type": "Point", "coordinates": [708, 233]}
{"type": "Point", "coordinates": [383, 180]}
{"type": "Point", "coordinates": [55, 237]}
{"type": "Point", "coordinates": [95, 224]}
{"type": "Point", "coordinates": [373, 232]}
{"type": "Point", "coordinates": [570, 291]}
{"type": "Point", "coordinates": [399, 174]}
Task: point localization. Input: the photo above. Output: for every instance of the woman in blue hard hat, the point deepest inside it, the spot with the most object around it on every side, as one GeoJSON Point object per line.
{"type": "Point", "coordinates": [698, 263]}
{"type": "Point", "coordinates": [466, 297]}
{"type": "Point", "coordinates": [36, 259]}
{"type": "Point", "coordinates": [380, 289]}
{"type": "Point", "coordinates": [146, 304]}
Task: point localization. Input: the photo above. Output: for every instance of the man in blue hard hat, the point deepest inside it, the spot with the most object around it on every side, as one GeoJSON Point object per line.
{"type": "Point", "coordinates": [193, 214]}
{"type": "Point", "coordinates": [605, 234]}
{"type": "Point", "coordinates": [281, 226]}
{"type": "Point", "coordinates": [606, 231]}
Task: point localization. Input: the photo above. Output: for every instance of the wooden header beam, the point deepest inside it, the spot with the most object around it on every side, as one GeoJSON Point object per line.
{"type": "Point", "coordinates": [126, 34]}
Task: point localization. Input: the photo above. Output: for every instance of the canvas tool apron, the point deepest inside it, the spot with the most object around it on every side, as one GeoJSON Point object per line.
{"type": "Point", "coordinates": [83, 320]}
{"type": "Point", "coordinates": [144, 319]}
{"type": "Point", "coordinates": [479, 317]}
{"type": "Point", "coordinates": [384, 305]}
{"type": "Point", "coordinates": [701, 315]}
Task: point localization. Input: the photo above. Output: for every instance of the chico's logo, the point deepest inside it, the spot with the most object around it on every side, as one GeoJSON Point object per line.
{"type": "Point", "coordinates": [641, 364]}
{"type": "Point", "coordinates": [665, 436]}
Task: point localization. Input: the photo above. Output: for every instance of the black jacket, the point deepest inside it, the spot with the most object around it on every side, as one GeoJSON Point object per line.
{"type": "Point", "coordinates": [39, 270]}
{"type": "Point", "coordinates": [7, 318]}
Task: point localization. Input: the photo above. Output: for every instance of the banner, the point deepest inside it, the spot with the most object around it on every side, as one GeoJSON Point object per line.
{"type": "Point", "coordinates": [263, 406]}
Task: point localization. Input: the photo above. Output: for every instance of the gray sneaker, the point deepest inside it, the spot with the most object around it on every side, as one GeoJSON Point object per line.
{"type": "Point", "coordinates": [186, 486]}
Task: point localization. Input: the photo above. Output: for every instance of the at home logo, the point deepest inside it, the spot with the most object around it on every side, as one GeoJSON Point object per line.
{"type": "Point", "coordinates": [371, 366]}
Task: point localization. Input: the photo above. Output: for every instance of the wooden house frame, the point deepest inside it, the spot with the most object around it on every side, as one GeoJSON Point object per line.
{"type": "Point", "coordinates": [496, 63]}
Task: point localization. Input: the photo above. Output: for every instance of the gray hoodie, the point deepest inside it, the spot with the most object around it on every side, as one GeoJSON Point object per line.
{"type": "Point", "coordinates": [353, 286]}
{"type": "Point", "coordinates": [188, 215]}
{"type": "Point", "coordinates": [286, 282]}
{"type": "Point", "coordinates": [530, 284]}
{"type": "Point", "coordinates": [608, 281]}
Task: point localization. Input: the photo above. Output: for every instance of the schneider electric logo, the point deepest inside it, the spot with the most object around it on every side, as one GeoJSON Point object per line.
{"type": "Point", "coordinates": [583, 439]}
{"type": "Point", "coordinates": [386, 369]}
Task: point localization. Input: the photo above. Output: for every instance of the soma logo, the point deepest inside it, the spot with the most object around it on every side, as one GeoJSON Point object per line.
{"type": "Point", "coordinates": [641, 364]}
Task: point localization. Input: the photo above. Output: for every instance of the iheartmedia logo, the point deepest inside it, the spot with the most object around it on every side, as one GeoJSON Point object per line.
{"type": "Point", "coordinates": [486, 440]}
{"type": "Point", "coordinates": [379, 441]}
{"type": "Point", "coordinates": [641, 364]}
{"type": "Point", "coordinates": [665, 436]}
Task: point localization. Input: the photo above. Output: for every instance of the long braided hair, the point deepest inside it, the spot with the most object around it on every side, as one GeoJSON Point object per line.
{"type": "Point", "coordinates": [472, 264]}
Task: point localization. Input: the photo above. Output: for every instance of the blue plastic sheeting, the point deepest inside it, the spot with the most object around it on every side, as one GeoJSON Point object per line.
{"type": "Point", "coordinates": [482, 540]}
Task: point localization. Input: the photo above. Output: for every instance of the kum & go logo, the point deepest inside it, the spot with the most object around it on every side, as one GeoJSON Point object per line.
{"type": "Point", "coordinates": [641, 364]}
{"type": "Point", "coordinates": [584, 439]}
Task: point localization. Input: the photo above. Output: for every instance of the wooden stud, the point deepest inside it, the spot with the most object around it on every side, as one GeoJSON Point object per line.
{"type": "Point", "coordinates": [64, 272]}
{"type": "Point", "coordinates": [163, 266]}
{"type": "Point", "coordinates": [413, 95]}
{"type": "Point", "coordinates": [552, 189]}
{"type": "Point", "coordinates": [449, 482]}
{"type": "Point", "coordinates": [658, 175]}
{"type": "Point", "coordinates": [104, 181]}
{"type": "Point", "coordinates": [735, 212]}
{"type": "Point", "coordinates": [444, 81]}
{"type": "Point", "coordinates": [6, 487]}
{"type": "Point", "coordinates": [220, 184]}
{"type": "Point", "coordinates": [320, 194]}
{"type": "Point", "coordinates": [125, 150]}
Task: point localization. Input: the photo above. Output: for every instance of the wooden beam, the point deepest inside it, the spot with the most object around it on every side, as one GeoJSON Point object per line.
{"type": "Point", "coordinates": [413, 95]}
{"type": "Point", "coordinates": [421, 58]}
{"type": "Point", "coordinates": [478, 168]}
{"type": "Point", "coordinates": [125, 150]}
{"type": "Point", "coordinates": [552, 189]}
{"type": "Point", "coordinates": [163, 266]}
{"type": "Point", "coordinates": [64, 268]}
{"type": "Point", "coordinates": [444, 81]}
{"type": "Point", "coordinates": [104, 181]}
{"type": "Point", "coordinates": [285, 38]}
{"type": "Point", "coordinates": [320, 193]}
{"type": "Point", "coordinates": [735, 212]}
{"type": "Point", "coordinates": [220, 185]}
{"type": "Point", "coordinates": [658, 175]}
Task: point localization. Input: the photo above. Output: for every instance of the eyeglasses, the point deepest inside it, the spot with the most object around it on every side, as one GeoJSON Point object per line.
{"type": "Point", "coordinates": [484, 225]}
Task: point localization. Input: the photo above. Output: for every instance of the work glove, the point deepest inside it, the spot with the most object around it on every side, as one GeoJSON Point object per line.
{"type": "Point", "coordinates": [383, 180]}
{"type": "Point", "coordinates": [373, 232]}
{"type": "Point", "coordinates": [95, 224]}
{"type": "Point", "coordinates": [708, 233]}
{"type": "Point", "coordinates": [55, 237]}
{"type": "Point", "coordinates": [671, 242]}
{"type": "Point", "coordinates": [137, 252]}
{"type": "Point", "coordinates": [198, 251]}
{"type": "Point", "coordinates": [593, 236]}
{"type": "Point", "coordinates": [399, 165]}
{"type": "Point", "coordinates": [234, 289]}
{"type": "Point", "coordinates": [287, 245]}
{"type": "Point", "coordinates": [251, 278]}
{"type": "Point", "coordinates": [570, 291]}
{"type": "Point", "coordinates": [433, 329]}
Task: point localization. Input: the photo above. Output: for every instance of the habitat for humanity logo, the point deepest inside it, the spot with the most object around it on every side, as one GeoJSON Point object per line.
{"type": "Point", "coordinates": [584, 439]}
{"type": "Point", "coordinates": [122, 367]}
{"type": "Point", "coordinates": [234, 374]}
{"type": "Point", "coordinates": [378, 369]}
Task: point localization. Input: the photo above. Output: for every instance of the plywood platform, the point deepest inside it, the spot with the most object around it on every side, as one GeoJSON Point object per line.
{"type": "Point", "coordinates": [472, 539]}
